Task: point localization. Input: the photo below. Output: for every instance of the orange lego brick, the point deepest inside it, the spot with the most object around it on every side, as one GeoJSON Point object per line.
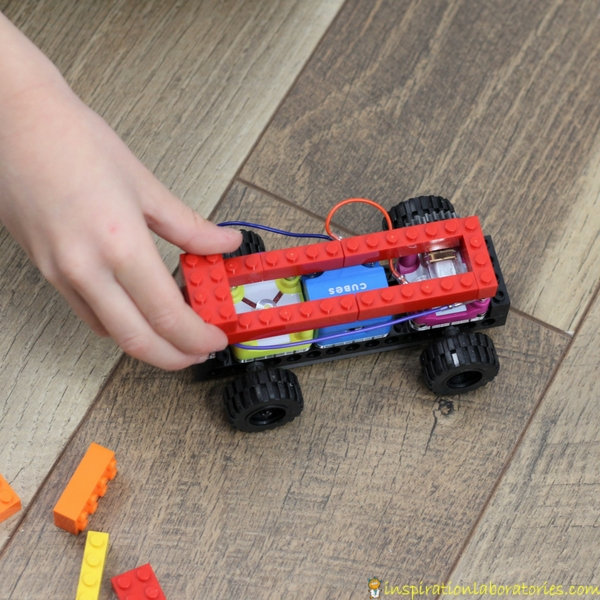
{"type": "Point", "coordinates": [10, 503]}
{"type": "Point", "coordinates": [88, 483]}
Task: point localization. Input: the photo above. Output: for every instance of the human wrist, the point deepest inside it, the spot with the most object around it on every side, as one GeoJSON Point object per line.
{"type": "Point", "coordinates": [23, 67]}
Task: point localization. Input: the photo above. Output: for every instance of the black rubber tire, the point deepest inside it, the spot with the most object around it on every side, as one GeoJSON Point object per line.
{"type": "Point", "coordinates": [251, 243]}
{"type": "Point", "coordinates": [263, 399]}
{"type": "Point", "coordinates": [419, 210]}
{"type": "Point", "coordinates": [459, 363]}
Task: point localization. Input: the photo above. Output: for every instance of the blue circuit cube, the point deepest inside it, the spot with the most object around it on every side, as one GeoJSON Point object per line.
{"type": "Point", "coordinates": [340, 282]}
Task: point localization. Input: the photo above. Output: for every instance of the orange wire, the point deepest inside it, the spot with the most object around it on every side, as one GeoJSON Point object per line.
{"type": "Point", "coordinates": [388, 220]}
{"type": "Point", "coordinates": [349, 201]}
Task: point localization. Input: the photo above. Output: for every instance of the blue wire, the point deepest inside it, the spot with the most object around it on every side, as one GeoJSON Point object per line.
{"type": "Point", "coordinates": [318, 236]}
{"type": "Point", "coordinates": [326, 338]}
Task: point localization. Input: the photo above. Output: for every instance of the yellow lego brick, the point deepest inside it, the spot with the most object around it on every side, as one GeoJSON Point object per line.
{"type": "Point", "coordinates": [92, 565]}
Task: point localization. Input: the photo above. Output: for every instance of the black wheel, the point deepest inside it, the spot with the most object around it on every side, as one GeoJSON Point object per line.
{"type": "Point", "coordinates": [251, 243]}
{"type": "Point", "coordinates": [459, 363]}
{"type": "Point", "coordinates": [422, 209]}
{"type": "Point", "coordinates": [263, 399]}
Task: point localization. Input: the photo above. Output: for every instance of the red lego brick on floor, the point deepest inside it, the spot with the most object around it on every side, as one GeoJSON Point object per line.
{"type": "Point", "coordinates": [138, 584]}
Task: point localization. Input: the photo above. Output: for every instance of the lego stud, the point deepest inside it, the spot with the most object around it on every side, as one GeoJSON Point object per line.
{"type": "Point", "coordinates": [196, 278]}
{"type": "Point", "coordinates": [265, 316]}
{"type": "Point", "coordinates": [305, 310]}
{"type": "Point", "coordinates": [481, 259]}
{"type": "Point", "coordinates": [226, 312]}
{"type": "Point", "coordinates": [191, 260]}
{"type": "Point", "coordinates": [450, 226]}
{"type": "Point", "coordinates": [353, 244]}
{"type": "Point", "coordinates": [467, 280]}
{"type": "Point", "coordinates": [291, 256]}
{"type": "Point", "coordinates": [471, 223]}
{"type": "Point", "coordinates": [123, 582]}
{"type": "Point", "coordinates": [271, 259]}
{"type": "Point", "coordinates": [222, 293]}
{"type": "Point", "coordinates": [386, 295]}
{"type": "Point", "coordinates": [332, 248]}
{"type": "Point", "coordinates": [216, 274]}
{"type": "Point", "coordinates": [411, 234]}
{"type": "Point", "coordinates": [326, 306]}
{"type": "Point", "coordinates": [100, 488]}
{"type": "Point", "coordinates": [199, 297]}
{"type": "Point", "coordinates": [487, 276]}
{"type": "Point", "coordinates": [346, 302]}
{"type": "Point", "coordinates": [427, 288]}
{"type": "Point", "coordinates": [431, 229]}
{"type": "Point", "coordinates": [367, 298]}
{"type": "Point", "coordinates": [372, 241]}
{"type": "Point", "coordinates": [252, 262]}
{"type": "Point", "coordinates": [82, 521]}
{"type": "Point", "coordinates": [245, 320]}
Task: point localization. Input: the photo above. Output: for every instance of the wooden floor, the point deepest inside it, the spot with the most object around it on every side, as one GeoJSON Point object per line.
{"type": "Point", "coordinates": [272, 112]}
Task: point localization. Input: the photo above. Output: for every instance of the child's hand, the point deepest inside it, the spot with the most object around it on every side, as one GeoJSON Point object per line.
{"type": "Point", "coordinates": [82, 205]}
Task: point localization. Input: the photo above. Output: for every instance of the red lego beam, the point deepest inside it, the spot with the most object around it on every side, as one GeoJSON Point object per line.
{"type": "Point", "coordinates": [208, 279]}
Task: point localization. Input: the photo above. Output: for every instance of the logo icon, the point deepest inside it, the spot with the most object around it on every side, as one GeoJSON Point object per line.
{"type": "Point", "coordinates": [374, 585]}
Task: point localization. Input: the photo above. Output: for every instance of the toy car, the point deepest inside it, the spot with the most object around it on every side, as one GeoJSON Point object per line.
{"type": "Point", "coordinates": [432, 277]}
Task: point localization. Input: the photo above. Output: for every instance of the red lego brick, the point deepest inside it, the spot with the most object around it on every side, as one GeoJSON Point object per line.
{"type": "Point", "coordinates": [287, 319]}
{"type": "Point", "coordinates": [394, 243]}
{"type": "Point", "coordinates": [475, 254]}
{"type": "Point", "coordinates": [10, 503]}
{"type": "Point", "coordinates": [209, 278]}
{"type": "Point", "coordinates": [208, 289]}
{"type": "Point", "coordinates": [138, 584]}
{"type": "Point", "coordinates": [413, 297]}
{"type": "Point", "coordinates": [88, 483]}
{"type": "Point", "coordinates": [302, 260]}
{"type": "Point", "coordinates": [244, 269]}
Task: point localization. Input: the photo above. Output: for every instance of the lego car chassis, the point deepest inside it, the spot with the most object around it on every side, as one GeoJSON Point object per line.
{"type": "Point", "coordinates": [442, 284]}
